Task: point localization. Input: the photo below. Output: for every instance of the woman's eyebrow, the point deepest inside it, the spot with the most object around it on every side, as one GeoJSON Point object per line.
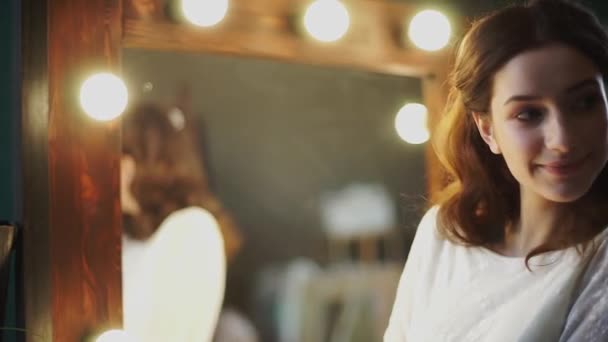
{"type": "Point", "coordinates": [521, 98]}
{"type": "Point", "coordinates": [590, 82]}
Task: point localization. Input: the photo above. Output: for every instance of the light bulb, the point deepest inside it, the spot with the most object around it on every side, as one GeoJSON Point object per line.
{"type": "Point", "coordinates": [104, 96]}
{"type": "Point", "coordinates": [411, 123]}
{"type": "Point", "coordinates": [327, 20]}
{"type": "Point", "coordinates": [430, 30]}
{"type": "Point", "coordinates": [204, 12]}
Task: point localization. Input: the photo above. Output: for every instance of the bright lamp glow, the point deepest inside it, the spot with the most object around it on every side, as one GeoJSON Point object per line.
{"type": "Point", "coordinates": [327, 20]}
{"type": "Point", "coordinates": [411, 123]}
{"type": "Point", "coordinates": [114, 336]}
{"type": "Point", "coordinates": [430, 30]}
{"type": "Point", "coordinates": [104, 96]}
{"type": "Point", "coordinates": [204, 12]}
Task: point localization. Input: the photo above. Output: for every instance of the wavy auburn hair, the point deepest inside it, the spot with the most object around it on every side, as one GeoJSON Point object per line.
{"type": "Point", "coordinates": [482, 197]}
{"type": "Point", "coordinates": [169, 174]}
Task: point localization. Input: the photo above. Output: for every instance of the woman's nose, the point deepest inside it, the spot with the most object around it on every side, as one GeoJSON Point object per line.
{"type": "Point", "coordinates": [559, 133]}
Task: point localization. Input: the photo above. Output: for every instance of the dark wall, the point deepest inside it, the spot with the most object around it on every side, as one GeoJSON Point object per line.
{"type": "Point", "coordinates": [10, 174]}
{"type": "Point", "coordinates": [9, 111]}
{"type": "Point", "coordinates": [279, 135]}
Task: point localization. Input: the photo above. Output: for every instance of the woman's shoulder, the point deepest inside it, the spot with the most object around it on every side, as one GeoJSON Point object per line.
{"type": "Point", "coordinates": [599, 260]}
{"type": "Point", "coordinates": [430, 216]}
{"type": "Point", "coordinates": [588, 316]}
{"type": "Point", "coordinates": [433, 241]}
{"type": "Point", "coordinates": [597, 253]}
{"type": "Point", "coordinates": [191, 224]}
{"type": "Point", "coordinates": [602, 237]}
{"type": "Point", "coordinates": [427, 233]}
{"type": "Point", "coordinates": [194, 215]}
{"type": "Point", "coordinates": [428, 224]}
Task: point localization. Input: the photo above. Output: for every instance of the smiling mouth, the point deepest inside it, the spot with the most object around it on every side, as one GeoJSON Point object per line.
{"type": "Point", "coordinates": [566, 168]}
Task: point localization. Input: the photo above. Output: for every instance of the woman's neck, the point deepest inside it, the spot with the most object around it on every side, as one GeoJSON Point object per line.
{"type": "Point", "coordinates": [538, 221]}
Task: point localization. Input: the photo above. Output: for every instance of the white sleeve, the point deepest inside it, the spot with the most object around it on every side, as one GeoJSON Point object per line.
{"type": "Point", "coordinates": [187, 280]}
{"type": "Point", "coordinates": [402, 308]}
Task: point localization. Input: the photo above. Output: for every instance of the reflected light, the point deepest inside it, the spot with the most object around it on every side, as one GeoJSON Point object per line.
{"type": "Point", "coordinates": [104, 96]}
{"type": "Point", "coordinates": [114, 336]}
{"type": "Point", "coordinates": [430, 30]}
{"type": "Point", "coordinates": [411, 123]}
{"type": "Point", "coordinates": [204, 12]}
{"type": "Point", "coordinates": [327, 20]}
{"type": "Point", "coordinates": [177, 118]}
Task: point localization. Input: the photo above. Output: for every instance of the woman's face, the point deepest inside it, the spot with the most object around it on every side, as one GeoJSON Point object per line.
{"type": "Point", "coordinates": [549, 121]}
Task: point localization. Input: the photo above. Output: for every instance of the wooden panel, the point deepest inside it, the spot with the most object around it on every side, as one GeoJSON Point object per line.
{"type": "Point", "coordinates": [374, 42]}
{"type": "Point", "coordinates": [7, 243]}
{"type": "Point", "coordinates": [34, 122]}
{"type": "Point", "coordinates": [83, 171]}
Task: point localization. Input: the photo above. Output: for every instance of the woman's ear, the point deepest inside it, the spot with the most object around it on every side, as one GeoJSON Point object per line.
{"type": "Point", "coordinates": [484, 126]}
{"type": "Point", "coordinates": [127, 169]}
{"type": "Point", "coordinates": [127, 174]}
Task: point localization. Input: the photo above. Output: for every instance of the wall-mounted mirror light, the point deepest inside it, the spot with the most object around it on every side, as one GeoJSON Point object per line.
{"type": "Point", "coordinates": [104, 96]}
{"type": "Point", "coordinates": [327, 20]}
{"type": "Point", "coordinates": [411, 123]}
{"type": "Point", "coordinates": [430, 30]}
{"type": "Point", "coordinates": [204, 13]}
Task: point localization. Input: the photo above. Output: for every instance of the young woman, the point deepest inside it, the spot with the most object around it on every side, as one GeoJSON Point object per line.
{"type": "Point", "coordinates": [174, 255]}
{"type": "Point", "coordinates": [517, 247]}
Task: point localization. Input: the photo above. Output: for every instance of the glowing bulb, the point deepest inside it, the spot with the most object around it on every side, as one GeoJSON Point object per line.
{"type": "Point", "coordinates": [411, 123]}
{"type": "Point", "coordinates": [430, 30]}
{"type": "Point", "coordinates": [104, 96]}
{"type": "Point", "coordinates": [204, 12]}
{"type": "Point", "coordinates": [327, 20]}
{"type": "Point", "coordinates": [114, 336]}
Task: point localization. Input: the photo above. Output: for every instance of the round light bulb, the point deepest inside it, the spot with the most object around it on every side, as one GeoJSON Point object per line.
{"type": "Point", "coordinates": [327, 20]}
{"type": "Point", "coordinates": [430, 30]}
{"type": "Point", "coordinates": [411, 123]}
{"type": "Point", "coordinates": [204, 12]}
{"type": "Point", "coordinates": [104, 96]}
{"type": "Point", "coordinates": [114, 336]}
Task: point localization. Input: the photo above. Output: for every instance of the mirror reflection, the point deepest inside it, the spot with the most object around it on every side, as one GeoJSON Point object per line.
{"type": "Point", "coordinates": [303, 195]}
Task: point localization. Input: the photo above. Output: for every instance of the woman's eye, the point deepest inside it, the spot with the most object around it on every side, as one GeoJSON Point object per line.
{"type": "Point", "coordinates": [529, 115]}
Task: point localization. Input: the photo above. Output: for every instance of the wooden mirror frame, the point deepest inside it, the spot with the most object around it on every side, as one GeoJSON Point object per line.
{"type": "Point", "coordinates": [72, 214]}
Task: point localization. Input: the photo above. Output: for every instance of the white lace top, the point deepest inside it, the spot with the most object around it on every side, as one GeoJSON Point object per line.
{"type": "Point", "coordinates": [449, 292]}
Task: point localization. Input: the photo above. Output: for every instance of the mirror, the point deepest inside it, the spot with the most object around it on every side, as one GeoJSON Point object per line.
{"type": "Point", "coordinates": [77, 198]}
{"type": "Point", "coordinates": [89, 152]}
{"type": "Point", "coordinates": [284, 146]}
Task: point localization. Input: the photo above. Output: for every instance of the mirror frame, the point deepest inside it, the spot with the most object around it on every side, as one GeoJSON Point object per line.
{"type": "Point", "coordinates": [70, 163]}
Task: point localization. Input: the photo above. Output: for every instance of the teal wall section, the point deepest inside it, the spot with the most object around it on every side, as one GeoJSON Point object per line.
{"type": "Point", "coordinates": [10, 183]}
{"type": "Point", "coordinates": [9, 110]}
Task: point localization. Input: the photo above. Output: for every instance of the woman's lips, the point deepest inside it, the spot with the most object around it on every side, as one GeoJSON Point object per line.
{"type": "Point", "coordinates": [564, 168]}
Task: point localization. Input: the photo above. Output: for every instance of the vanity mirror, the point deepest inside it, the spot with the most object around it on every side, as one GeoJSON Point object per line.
{"type": "Point", "coordinates": [287, 121]}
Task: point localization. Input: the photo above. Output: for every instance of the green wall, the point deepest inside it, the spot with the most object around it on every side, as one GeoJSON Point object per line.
{"type": "Point", "coordinates": [9, 101]}
{"type": "Point", "coordinates": [10, 189]}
